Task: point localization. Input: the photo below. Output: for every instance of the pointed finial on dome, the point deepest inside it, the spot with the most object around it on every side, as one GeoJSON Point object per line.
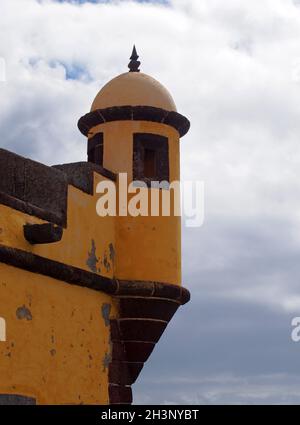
{"type": "Point", "coordinates": [134, 63]}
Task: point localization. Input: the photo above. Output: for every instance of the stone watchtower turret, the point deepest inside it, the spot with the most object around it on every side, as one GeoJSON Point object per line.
{"type": "Point", "coordinates": [83, 298]}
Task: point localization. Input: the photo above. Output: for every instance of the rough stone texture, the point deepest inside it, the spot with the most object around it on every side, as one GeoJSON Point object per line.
{"type": "Point", "coordinates": [27, 208]}
{"type": "Point", "coordinates": [80, 174]}
{"type": "Point", "coordinates": [42, 189]}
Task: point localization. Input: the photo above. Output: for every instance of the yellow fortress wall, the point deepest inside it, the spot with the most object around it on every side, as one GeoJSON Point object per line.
{"type": "Point", "coordinates": [57, 349]}
{"type": "Point", "coordinates": [86, 298]}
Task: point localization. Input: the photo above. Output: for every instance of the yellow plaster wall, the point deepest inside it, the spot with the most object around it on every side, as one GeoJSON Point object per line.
{"type": "Point", "coordinates": [147, 248]}
{"type": "Point", "coordinates": [57, 347]}
{"type": "Point", "coordinates": [87, 235]}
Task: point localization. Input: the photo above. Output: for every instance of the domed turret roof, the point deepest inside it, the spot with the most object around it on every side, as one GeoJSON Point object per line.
{"type": "Point", "coordinates": [134, 89]}
{"type": "Point", "coordinates": [134, 96]}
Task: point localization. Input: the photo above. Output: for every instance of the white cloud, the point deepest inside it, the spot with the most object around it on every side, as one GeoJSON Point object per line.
{"type": "Point", "coordinates": [226, 389]}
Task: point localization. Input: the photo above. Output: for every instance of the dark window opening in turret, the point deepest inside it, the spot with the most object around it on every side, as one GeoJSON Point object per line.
{"type": "Point", "coordinates": [149, 163]}
{"type": "Point", "coordinates": [150, 158]}
{"type": "Point", "coordinates": [95, 149]}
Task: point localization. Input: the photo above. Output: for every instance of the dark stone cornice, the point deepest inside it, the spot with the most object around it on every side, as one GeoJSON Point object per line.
{"type": "Point", "coordinates": [134, 113]}
{"type": "Point", "coordinates": [41, 191]}
{"type": "Point", "coordinates": [76, 276]}
{"type": "Point", "coordinates": [34, 210]}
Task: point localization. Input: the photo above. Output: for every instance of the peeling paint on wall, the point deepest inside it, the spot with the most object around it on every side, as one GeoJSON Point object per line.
{"type": "Point", "coordinates": [106, 361]}
{"type": "Point", "coordinates": [106, 309]}
{"type": "Point", "coordinates": [106, 263]}
{"type": "Point", "coordinates": [112, 253]}
{"type": "Point", "coordinates": [92, 258]}
{"type": "Point", "coordinates": [23, 313]}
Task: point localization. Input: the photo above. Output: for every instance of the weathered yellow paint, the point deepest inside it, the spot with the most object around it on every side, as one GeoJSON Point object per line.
{"type": "Point", "coordinates": [147, 248]}
{"type": "Point", "coordinates": [76, 246]}
{"type": "Point", "coordinates": [58, 356]}
{"type": "Point", "coordinates": [57, 346]}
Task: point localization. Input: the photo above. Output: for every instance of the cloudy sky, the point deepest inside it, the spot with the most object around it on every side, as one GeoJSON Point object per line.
{"type": "Point", "coordinates": [233, 68]}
